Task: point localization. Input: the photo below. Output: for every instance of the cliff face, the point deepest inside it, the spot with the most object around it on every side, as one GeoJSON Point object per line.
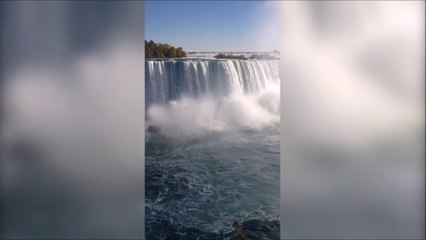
{"type": "Point", "coordinates": [162, 50]}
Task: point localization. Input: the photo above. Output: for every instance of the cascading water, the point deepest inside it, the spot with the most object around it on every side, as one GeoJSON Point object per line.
{"type": "Point", "coordinates": [210, 94]}
{"type": "Point", "coordinates": [218, 125]}
{"type": "Point", "coordinates": [167, 80]}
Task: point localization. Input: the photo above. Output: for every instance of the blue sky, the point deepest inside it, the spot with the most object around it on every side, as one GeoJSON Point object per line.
{"type": "Point", "coordinates": [210, 26]}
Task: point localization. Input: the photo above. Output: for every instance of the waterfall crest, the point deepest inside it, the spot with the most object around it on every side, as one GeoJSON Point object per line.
{"type": "Point", "coordinates": [171, 79]}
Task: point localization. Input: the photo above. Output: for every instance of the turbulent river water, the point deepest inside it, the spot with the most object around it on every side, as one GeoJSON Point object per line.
{"type": "Point", "coordinates": [213, 157]}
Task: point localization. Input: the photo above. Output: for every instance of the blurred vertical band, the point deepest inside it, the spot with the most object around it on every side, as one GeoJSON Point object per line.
{"type": "Point", "coordinates": [352, 153]}
{"type": "Point", "coordinates": [72, 119]}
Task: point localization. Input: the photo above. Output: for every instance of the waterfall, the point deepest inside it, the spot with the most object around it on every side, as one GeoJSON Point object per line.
{"type": "Point", "coordinates": [210, 94]}
{"type": "Point", "coordinates": [170, 79]}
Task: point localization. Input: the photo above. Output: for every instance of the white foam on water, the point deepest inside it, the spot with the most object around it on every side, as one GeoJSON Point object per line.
{"type": "Point", "coordinates": [191, 97]}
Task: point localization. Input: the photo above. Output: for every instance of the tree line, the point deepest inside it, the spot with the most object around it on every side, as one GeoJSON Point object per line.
{"type": "Point", "coordinates": [162, 50]}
